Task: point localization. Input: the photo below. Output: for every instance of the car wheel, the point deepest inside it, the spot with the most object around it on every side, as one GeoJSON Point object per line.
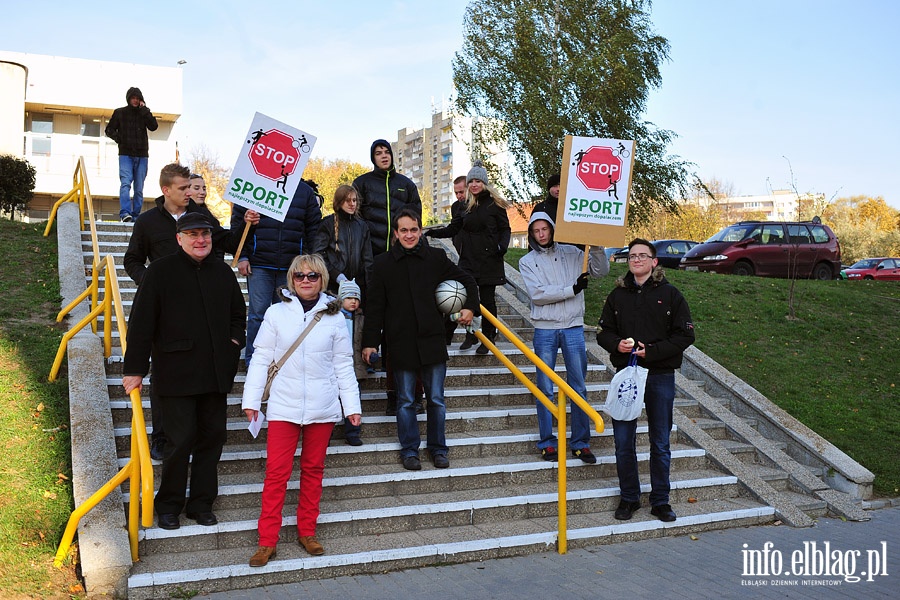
{"type": "Point", "coordinates": [822, 272]}
{"type": "Point", "coordinates": [869, 277]}
{"type": "Point", "coordinates": [743, 268]}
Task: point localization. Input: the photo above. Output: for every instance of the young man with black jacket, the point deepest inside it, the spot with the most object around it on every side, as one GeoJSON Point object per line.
{"type": "Point", "coordinates": [128, 129]}
{"type": "Point", "coordinates": [648, 316]}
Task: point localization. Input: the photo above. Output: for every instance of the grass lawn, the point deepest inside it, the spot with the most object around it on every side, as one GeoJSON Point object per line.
{"type": "Point", "coordinates": [35, 487]}
{"type": "Point", "coordinates": [835, 367]}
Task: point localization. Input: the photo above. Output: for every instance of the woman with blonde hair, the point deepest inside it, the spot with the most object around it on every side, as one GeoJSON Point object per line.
{"type": "Point", "coordinates": [485, 238]}
{"type": "Point", "coordinates": [343, 240]}
{"type": "Point", "coordinates": [314, 389]}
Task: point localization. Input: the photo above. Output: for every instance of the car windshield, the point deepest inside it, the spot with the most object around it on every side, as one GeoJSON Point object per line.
{"type": "Point", "coordinates": [734, 233]}
{"type": "Point", "coordinates": [866, 263]}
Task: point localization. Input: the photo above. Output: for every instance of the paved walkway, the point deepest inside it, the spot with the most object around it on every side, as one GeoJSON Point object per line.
{"type": "Point", "coordinates": [707, 565]}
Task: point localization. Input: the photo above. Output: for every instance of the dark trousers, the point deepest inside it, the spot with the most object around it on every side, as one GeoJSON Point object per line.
{"type": "Point", "coordinates": [194, 425]}
{"type": "Point", "coordinates": [156, 418]}
{"type": "Point", "coordinates": [489, 301]}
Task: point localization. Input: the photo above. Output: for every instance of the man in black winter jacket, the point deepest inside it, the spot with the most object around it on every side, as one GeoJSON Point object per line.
{"type": "Point", "coordinates": [128, 128]}
{"type": "Point", "coordinates": [189, 315]}
{"type": "Point", "coordinates": [647, 316]}
{"type": "Point", "coordinates": [383, 193]}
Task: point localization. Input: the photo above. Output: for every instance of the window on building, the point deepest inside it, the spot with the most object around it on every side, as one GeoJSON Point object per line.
{"type": "Point", "coordinates": [91, 128]}
{"type": "Point", "coordinates": [41, 123]}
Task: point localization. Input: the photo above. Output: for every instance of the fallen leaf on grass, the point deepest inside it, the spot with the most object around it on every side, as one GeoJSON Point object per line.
{"type": "Point", "coordinates": [40, 407]}
{"type": "Point", "coordinates": [76, 589]}
{"type": "Point", "coordinates": [49, 495]}
{"type": "Point", "coordinates": [62, 476]}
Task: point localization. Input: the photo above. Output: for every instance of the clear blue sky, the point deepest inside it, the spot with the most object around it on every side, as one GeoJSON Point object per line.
{"type": "Point", "coordinates": [753, 88]}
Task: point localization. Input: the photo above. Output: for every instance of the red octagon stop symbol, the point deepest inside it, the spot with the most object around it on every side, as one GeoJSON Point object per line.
{"type": "Point", "coordinates": [598, 169]}
{"type": "Point", "coordinates": [274, 155]}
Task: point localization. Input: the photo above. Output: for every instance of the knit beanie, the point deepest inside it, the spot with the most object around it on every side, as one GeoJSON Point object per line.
{"type": "Point", "coordinates": [477, 172]}
{"type": "Point", "coordinates": [348, 289]}
{"type": "Point", "coordinates": [552, 180]}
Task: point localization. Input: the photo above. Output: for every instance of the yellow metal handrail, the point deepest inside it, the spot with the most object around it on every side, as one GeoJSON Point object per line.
{"type": "Point", "coordinates": [138, 470]}
{"type": "Point", "coordinates": [558, 410]}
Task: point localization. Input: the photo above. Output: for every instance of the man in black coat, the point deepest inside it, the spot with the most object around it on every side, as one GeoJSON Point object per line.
{"type": "Point", "coordinates": [401, 305]}
{"type": "Point", "coordinates": [646, 315]}
{"type": "Point", "coordinates": [128, 128]}
{"type": "Point", "coordinates": [188, 315]}
{"type": "Point", "coordinates": [383, 193]}
{"type": "Point", "coordinates": [154, 237]}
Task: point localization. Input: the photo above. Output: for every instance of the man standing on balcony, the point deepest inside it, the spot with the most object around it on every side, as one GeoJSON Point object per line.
{"type": "Point", "coordinates": [554, 281]}
{"type": "Point", "coordinates": [648, 316]}
{"type": "Point", "coordinates": [189, 315]}
{"type": "Point", "coordinates": [128, 128]}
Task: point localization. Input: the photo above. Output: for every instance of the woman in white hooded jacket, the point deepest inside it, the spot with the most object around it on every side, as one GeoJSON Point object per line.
{"type": "Point", "coordinates": [314, 389]}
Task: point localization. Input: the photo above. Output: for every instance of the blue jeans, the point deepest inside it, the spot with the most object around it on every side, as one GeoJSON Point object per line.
{"type": "Point", "coordinates": [659, 397]}
{"type": "Point", "coordinates": [262, 287]}
{"type": "Point", "coordinates": [547, 343]}
{"type": "Point", "coordinates": [132, 169]}
{"type": "Point", "coordinates": [407, 425]}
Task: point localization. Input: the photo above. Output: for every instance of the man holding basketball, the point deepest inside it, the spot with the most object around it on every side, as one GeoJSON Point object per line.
{"type": "Point", "coordinates": [552, 275]}
{"type": "Point", "coordinates": [401, 305]}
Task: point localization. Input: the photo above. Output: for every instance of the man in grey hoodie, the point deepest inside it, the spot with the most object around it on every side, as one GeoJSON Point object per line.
{"type": "Point", "coordinates": [554, 281]}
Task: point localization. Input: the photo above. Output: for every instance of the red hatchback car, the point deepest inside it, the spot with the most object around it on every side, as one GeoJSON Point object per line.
{"type": "Point", "coordinates": [883, 269]}
{"type": "Point", "coordinates": [806, 249]}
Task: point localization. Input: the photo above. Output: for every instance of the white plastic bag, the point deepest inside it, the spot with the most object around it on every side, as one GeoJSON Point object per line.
{"type": "Point", "coordinates": [625, 398]}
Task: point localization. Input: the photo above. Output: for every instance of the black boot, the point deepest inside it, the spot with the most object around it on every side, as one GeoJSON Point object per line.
{"type": "Point", "coordinates": [468, 342]}
{"type": "Point", "coordinates": [391, 406]}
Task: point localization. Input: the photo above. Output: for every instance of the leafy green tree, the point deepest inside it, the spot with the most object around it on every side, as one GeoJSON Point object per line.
{"type": "Point", "coordinates": [205, 162]}
{"type": "Point", "coordinates": [330, 174]}
{"type": "Point", "coordinates": [866, 227]}
{"type": "Point", "coordinates": [542, 69]}
{"type": "Point", "coordinates": [17, 179]}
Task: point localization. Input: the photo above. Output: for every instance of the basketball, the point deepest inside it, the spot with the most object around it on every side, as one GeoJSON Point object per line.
{"type": "Point", "coordinates": [450, 296]}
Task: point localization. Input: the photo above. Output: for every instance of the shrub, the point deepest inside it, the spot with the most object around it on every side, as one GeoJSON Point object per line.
{"type": "Point", "coordinates": [17, 177]}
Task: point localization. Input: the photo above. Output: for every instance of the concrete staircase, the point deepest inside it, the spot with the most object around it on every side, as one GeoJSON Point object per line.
{"type": "Point", "coordinates": [498, 497]}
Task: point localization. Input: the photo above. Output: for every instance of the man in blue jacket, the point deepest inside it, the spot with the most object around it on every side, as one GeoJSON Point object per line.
{"type": "Point", "coordinates": [268, 253]}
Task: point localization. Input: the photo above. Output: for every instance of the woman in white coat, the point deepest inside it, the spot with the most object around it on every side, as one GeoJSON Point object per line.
{"type": "Point", "coordinates": [305, 398]}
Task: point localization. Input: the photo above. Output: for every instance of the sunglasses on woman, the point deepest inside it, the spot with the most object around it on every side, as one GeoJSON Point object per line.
{"type": "Point", "coordinates": [312, 276]}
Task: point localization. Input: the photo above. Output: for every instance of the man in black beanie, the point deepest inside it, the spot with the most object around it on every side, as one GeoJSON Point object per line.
{"type": "Point", "coordinates": [550, 204]}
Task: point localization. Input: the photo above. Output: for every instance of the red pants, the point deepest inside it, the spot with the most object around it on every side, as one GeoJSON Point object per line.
{"type": "Point", "coordinates": [282, 442]}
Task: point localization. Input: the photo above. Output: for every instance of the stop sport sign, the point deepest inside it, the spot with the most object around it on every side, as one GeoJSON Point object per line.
{"type": "Point", "coordinates": [598, 169]}
{"type": "Point", "coordinates": [273, 155]}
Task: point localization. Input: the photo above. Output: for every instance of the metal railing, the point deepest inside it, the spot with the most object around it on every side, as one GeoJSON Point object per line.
{"type": "Point", "coordinates": [138, 470]}
{"type": "Point", "coordinates": [557, 410]}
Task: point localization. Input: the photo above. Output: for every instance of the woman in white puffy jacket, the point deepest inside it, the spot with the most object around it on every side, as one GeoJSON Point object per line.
{"type": "Point", "coordinates": [315, 388]}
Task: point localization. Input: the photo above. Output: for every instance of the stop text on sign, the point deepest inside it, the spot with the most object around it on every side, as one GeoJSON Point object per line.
{"type": "Point", "coordinates": [598, 168]}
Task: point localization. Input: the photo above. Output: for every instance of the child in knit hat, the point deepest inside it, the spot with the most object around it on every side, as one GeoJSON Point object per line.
{"type": "Point", "coordinates": [349, 295]}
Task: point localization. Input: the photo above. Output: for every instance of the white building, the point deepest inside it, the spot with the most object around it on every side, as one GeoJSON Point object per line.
{"type": "Point", "coordinates": [780, 205]}
{"type": "Point", "coordinates": [55, 109]}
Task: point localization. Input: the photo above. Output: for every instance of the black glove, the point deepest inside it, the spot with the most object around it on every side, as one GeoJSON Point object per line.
{"type": "Point", "coordinates": [580, 284]}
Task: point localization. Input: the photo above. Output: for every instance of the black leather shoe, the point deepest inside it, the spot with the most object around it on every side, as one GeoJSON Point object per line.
{"type": "Point", "coordinates": [203, 518]}
{"type": "Point", "coordinates": [626, 510]}
{"type": "Point", "coordinates": [481, 349]}
{"type": "Point", "coordinates": [412, 463]}
{"type": "Point", "coordinates": [168, 521]}
{"type": "Point", "coordinates": [468, 342]}
{"type": "Point", "coordinates": [156, 449]}
{"type": "Point", "coordinates": [353, 441]}
{"type": "Point", "coordinates": [663, 512]}
{"type": "Point", "coordinates": [440, 461]}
